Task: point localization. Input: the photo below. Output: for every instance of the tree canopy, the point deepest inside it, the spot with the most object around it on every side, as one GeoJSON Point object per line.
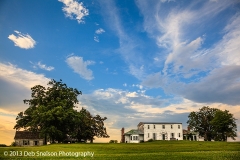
{"type": "Point", "coordinates": [52, 112]}
{"type": "Point", "coordinates": [213, 124]}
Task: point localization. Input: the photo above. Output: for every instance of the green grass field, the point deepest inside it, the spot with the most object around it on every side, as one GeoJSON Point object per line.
{"type": "Point", "coordinates": [147, 150]}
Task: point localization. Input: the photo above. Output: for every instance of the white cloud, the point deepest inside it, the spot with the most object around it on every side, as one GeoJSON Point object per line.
{"type": "Point", "coordinates": [95, 38]}
{"type": "Point", "coordinates": [80, 66]}
{"type": "Point", "coordinates": [16, 84]}
{"type": "Point", "coordinates": [42, 66]}
{"type": "Point", "coordinates": [74, 10]}
{"type": "Point", "coordinates": [138, 86]}
{"type": "Point", "coordinates": [99, 31]}
{"type": "Point", "coordinates": [125, 84]}
{"type": "Point", "coordinates": [28, 79]}
{"type": "Point", "coordinates": [24, 41]}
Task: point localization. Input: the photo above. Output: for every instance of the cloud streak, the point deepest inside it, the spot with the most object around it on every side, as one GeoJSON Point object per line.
{"type": "Point", "coordinates": [24, 41]}
{"type": "Point", "coordinates": [42, 66]}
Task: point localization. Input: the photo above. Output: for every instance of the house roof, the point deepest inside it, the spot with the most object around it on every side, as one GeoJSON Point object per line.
{"type": "Point", "coordinates": [158, 123]}
{"type": "Point", "coordinates": [133, 131]}
{"type": "Point", "coordinates": [27, 135]}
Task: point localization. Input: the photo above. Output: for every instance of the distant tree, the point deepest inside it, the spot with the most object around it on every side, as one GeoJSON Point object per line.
{"type": "Point", "coordinates": [224, 126]}
{"type": "Point", "coordinates": [113, 141]}
{"type": "Point", "coordinates": [209, 124]}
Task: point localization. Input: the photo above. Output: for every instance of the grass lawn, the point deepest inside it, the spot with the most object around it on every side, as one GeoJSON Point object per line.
{"type": "Point", "coordinates": [147, 150]}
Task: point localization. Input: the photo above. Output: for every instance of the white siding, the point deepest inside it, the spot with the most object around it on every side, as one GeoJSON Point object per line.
{"type": "Point", "coordinates": [127, 139]}
{"type": "Point", "coordinates": [20, 142]}
{"type": "Point", "coordinates": [132, 138]}
{"type": "Point", "coordinates": [158, 131]}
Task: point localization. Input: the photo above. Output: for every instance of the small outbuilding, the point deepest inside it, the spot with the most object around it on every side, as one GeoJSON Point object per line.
{"type": "Point", "coordinates": [27, 138]}
{"type": "Point", "coordinates": [134, 136]}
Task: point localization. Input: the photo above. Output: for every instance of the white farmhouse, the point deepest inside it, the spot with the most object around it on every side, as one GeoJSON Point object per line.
{"type": "Point", "coordinates": [155, 131]}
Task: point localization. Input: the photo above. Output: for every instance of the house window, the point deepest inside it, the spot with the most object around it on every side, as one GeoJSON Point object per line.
{"type": "Point", "coordinates": [25, 142]}
{"type": "Point", "coordinates": [148, 126]}
{"type": "Point", "coordinates": [178, 126]}
{"type": "Point", "coordinates": [171, 127]}
{"type": "Point", "coordinates": [163, 126]}
{"type": "Point", "coordinates": [154, 126]}
{"type": "Point", "coordinates": [134, 138]}
{"type": "Point", "coordinates": [148, 135]}
{"type": "Point", "coordinates": [172, 135]}
{"type": "Point", "coordinates": [179, 135]}
{"type": "Point", "coordinates": [154, 136]}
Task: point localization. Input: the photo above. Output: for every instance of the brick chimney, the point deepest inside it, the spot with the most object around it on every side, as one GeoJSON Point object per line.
{"type": "Point", "coordinates": [122, 136]}
{"type": "Point", "coordinates": [188, 128]}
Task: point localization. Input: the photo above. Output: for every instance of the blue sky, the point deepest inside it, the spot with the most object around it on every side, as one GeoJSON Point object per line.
{"type": "Point", "coordinates": [143, 60]}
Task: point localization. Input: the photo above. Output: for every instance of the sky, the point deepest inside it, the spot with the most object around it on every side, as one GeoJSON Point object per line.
{"type": "Point", "coordinates": [134, 61]}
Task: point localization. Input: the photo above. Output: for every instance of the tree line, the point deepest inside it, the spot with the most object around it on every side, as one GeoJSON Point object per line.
{"type": "Point", "coordinates": [52, 112]}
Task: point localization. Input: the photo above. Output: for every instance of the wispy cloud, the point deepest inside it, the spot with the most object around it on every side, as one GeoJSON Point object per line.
{"type": "Point", "coordinates": [128, 43]}
{"type": "Point", "coordinates": [99, 31]}
{"type": "Point", "coordinates": [74, 10]}
{"type": "Point", "coordinates": [24, 41]}
{"type": "Point", "coordinates": [42, 66]}
{"type": "Point", "coordinates": [80, 66]}
{"type": "Point", "coordinates": [191, 67]}
{"type": "Point", "coordinates": [96, 38]}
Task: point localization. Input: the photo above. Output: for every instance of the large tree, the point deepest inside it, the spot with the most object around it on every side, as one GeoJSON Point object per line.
{"type": "Point", "coordinates": [212, 123]}
{"type": "Point", "coordinates": [52, 112]}
{"type": "Point", "coordinates": [88, 126]}
{"type": "Point", "coordinates": [224, 125]}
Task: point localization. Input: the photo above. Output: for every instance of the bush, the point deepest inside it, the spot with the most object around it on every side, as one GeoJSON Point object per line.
{"type": "Point", "coordinates": [150, 140]}
{"type": "Point", "coordinates": [141, 141]}
{"type": "Point", "coordinates": [13, 144]}
{"type": "Point", "coordinates": [113, 141]}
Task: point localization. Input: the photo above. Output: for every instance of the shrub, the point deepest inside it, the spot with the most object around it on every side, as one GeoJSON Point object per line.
{"type": "Point", "coordinates": [113, 141]}
{"type": "Point", "coordinates": [150, 140]}
{"type": "Point", "coordinates": [13, 144]}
